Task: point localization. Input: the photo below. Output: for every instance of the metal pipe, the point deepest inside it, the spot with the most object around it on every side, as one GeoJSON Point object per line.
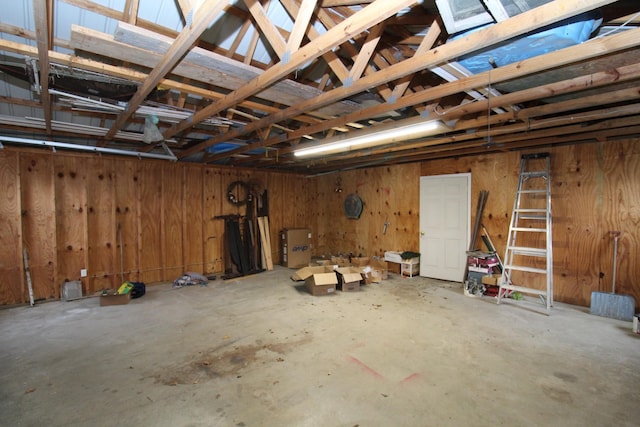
{"type": "Point", "coordinates": [168, 156]}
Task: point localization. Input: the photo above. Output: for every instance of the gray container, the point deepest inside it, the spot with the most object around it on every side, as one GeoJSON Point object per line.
{"type": "Point", "coordinates": [71, 290]}
{"type": "Point", "coordinates": [605, 304]}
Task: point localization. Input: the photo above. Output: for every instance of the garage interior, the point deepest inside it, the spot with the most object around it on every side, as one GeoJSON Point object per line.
{"type": "Point", "coordinates": [138, 136]}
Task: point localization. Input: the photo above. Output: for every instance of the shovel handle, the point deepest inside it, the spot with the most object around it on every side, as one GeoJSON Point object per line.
{"type": "Point", "coordinates": [615, 234]}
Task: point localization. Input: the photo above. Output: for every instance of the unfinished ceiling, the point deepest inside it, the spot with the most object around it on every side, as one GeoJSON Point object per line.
{"type": "Point", "coordinates": [249, 82]}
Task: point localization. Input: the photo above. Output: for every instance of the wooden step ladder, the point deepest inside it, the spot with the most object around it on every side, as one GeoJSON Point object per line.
{"type": "Point", "coordinates": [530, 225]}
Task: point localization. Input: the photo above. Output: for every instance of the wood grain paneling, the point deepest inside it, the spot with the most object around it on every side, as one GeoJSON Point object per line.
{"type": "Point", "coordinates": [12, 290]}
{"type": "Point", "coordinates": [38, 222]}
{"type": "Point", "coordinates": [172, 210]}
{"type": "Point", "coordinates": [101, 225]}
{"type": "Point", "coordinates": [127, 213]}
{"type": "Point", "coordinates": [213, 228]}
{"type": "Point", "coordinates": [150, 219]}
{"type": "Point", "coordinates": [193, 216]}
{"type": "Point", "coordinates": [71, 218]}
{"type": "Point", "coordinates": [595, 189]}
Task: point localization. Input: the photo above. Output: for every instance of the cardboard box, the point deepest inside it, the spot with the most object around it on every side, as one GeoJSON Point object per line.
{"type": "Point", "coordinates": [295, 247]}
{"type": "Point", "coordinates": [490, 280]}
{"type": "Point", "coordinates": [111, 298]}
{"type": "Point", "coordinates": [368, 275]}
{"type": "Point", "coordinates": [340, 261]}
{"type": "Point", "coordinates": [319, 280]}
{"type": "Point", "coordinates": [380, 270]}
{"type": "Point", "coordinates": [349, 279]}
{"type": "Point", "coordinates": [360, 261]}
{"type": "Point", "coordinates": [393, 267]}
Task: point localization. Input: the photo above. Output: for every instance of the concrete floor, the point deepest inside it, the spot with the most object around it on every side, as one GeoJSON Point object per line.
{"type": "Point", "coordinates": [261, 351]}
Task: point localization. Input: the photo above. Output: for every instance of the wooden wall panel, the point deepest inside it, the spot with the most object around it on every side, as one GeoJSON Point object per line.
{"type": "Point", "coordinates": [172, 220]}
{"type": "Point", "coordinates": [384, 214]}
{"type": "Point", "coordinates": [38, 222]}
{"type": "Point", "coordinates": [213, 229]}
{"type": "Point", "coordinates": [621, 188]}
{"type": "Point", "coordinates": [71, 218]}
{"type": "Point", "coordinates": [101, 225]}
{"type": "Point", "coordinates": [150, 222]}
{"type": "Point", "coordinates": [405, 185]}
{"type": "Point", "coordinates": [12, 289]}
{"type": "Point", "coordinates": [326, 230]}
{"type": "Point", "coordinates": [277, 214]}
{"type": "Point", "coordinates": [595, 189]}
{"type": "Point", "coordinates": [124, 219]}
{"type": "Point", "coordinates": [193, 219]}
{"type": "Point", "coordinates": [127, 213]}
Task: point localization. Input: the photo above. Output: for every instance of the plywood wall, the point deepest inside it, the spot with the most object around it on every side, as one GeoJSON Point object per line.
{"type": "Point", "coordinates": [389, 194]}
{"type": "Point", "coordinates": [595, 189]}
{"type": "Point", "coordinates": [123, 219]}
{"type": "Point", "coordinates": [151, 220]}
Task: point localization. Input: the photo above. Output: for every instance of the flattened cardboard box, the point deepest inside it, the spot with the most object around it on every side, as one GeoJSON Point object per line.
{"type": "Point", "coordinates": [349, 278]}
{"type": "Point", "coordinates": [320, 280]}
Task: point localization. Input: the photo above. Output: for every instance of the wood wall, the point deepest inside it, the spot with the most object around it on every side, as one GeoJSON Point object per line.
{"type": "Point", "coordinates": [389, 194]}
{"type": "Point", "coordinates": [75, 211]}
{"type": "Point", "coordinates": [595, 189]}
{"type": "Point", "coordinates": [146, 220]}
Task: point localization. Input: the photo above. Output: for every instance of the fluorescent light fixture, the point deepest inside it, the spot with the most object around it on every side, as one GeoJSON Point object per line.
{"type": "Point", "coordinates": [378, 135]}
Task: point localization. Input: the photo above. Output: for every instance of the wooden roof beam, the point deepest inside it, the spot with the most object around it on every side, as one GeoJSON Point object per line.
{"type": "Point", "coordinates": [269, 30]}
{"type": "Point", "coordinates": [330, 57]}
{"type": "Point", "coordinates": [520, 24]}
{"type": "Point", "coordinates": [187, 37]}
{"type": "Point", "coordinates": [370, 15]}
{"type": "Point", "coordinates": [301, 22]}
{"type": "Point", "coordinates": [43, 11]}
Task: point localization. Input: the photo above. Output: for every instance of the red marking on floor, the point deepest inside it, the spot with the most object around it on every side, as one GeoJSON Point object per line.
{"type": "Point", "coordinates": [411, 377]}
{"type": "Point", "coordinates": [365, 367]}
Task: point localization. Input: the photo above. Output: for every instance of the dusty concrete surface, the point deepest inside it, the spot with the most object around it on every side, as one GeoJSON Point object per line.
{"type": "Point", "coordinates": [261, 351]}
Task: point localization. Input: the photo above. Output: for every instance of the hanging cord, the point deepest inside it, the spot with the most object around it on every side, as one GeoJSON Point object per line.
{"type": "Point", "coordinates": [489, 112]}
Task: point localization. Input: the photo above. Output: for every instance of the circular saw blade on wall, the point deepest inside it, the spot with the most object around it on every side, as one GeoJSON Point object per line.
{"type": "Point", "coordinates": [353, 206]}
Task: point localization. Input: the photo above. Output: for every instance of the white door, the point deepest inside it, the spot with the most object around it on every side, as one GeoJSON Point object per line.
{"type": "Point", "coordinates": [444, 225]}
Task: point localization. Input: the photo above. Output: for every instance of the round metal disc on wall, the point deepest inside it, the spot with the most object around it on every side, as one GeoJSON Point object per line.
{"type": "Point", "coordinates": [353, 206]}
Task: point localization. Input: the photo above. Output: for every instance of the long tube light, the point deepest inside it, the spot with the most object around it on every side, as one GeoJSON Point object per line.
{"type": "Point", "coordinates": [168, 156]}
{"type": "Point", "coordinates": [383, 134]}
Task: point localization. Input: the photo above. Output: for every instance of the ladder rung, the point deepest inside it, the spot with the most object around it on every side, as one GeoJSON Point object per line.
{"type": "Point", "coordinates": [535, 156]}
{"type": "Point", "coordinates": [523, 289]}
{"type": "Point", "coordinates": [531, 212]}
{"type": "Point", "coordinates": [521, 250]}
{"type": "Point", "coordinates": [542, 174]}
{"type": "Point", "coordinates": [523, 268]}
{"type": "Point", "coordinates": [533, 217]}
{"type": "Point", "coordinates": [532, 191]}
{"type": "Point", "coordinates": [533, 230]}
